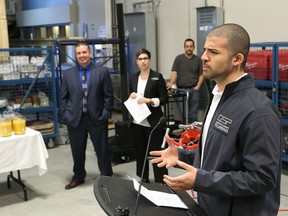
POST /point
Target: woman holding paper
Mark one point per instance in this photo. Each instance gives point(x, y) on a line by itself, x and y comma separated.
point(147, 87)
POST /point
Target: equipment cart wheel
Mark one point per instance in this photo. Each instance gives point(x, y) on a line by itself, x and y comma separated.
point(49, 143)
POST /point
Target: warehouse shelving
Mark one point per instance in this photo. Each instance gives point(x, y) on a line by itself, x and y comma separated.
point(28, 75)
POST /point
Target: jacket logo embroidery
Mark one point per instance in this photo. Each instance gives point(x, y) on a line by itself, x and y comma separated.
point(154, 78)
point(222, 123)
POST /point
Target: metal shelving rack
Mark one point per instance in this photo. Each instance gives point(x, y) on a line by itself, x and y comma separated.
point(28, 81)
point(269, 64)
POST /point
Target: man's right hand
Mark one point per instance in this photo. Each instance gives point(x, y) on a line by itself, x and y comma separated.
point(168, 85)
point(167, 157)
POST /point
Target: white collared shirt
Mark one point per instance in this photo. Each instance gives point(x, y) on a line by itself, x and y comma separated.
point(216, 98)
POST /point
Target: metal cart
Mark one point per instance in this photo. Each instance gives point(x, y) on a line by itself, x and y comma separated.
point(175, 96)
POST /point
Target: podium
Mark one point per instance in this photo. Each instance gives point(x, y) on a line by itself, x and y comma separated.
point(117, 197)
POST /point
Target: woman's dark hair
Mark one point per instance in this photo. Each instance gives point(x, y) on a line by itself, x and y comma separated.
point(143, 51)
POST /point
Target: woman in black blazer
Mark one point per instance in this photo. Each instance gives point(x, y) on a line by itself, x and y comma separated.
point(151, 87)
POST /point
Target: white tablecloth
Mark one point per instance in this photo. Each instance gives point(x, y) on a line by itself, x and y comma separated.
point(19, 152)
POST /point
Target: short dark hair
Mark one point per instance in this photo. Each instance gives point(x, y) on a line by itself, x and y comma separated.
point(82, 43)
point(237, 36)
point(143, 51)
point(189, 40)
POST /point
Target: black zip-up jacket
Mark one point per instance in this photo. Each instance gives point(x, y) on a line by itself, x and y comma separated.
point(241, 168)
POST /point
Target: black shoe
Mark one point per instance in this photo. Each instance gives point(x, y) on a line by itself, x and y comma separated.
point(73, 183)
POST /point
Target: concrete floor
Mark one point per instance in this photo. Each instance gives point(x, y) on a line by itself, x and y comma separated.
point(47, 196)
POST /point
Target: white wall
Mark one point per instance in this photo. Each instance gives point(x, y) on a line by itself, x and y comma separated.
point(265, 20)
point(176, 22)
point(92, 13)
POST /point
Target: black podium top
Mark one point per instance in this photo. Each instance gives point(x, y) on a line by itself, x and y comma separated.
point(117, 197)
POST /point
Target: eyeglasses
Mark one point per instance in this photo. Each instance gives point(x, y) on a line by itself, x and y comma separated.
point(143, 59)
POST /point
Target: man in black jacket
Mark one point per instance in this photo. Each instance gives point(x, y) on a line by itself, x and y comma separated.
point(237, 167)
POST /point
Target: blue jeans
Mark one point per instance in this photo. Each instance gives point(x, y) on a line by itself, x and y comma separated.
point(193, 99)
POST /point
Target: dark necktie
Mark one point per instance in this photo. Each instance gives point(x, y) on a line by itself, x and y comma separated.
point(84, 90)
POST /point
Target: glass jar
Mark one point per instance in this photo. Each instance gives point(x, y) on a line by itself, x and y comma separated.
point(44, 101)
point(5, 127)
point(19, 124)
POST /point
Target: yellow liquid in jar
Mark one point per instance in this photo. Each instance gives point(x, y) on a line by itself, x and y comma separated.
point(19, 126)
point(6, 128)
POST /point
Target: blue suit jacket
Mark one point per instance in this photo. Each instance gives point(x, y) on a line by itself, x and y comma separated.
point(99, 99)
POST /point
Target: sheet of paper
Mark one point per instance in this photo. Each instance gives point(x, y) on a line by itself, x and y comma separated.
point(160, 198)
point(138, 111)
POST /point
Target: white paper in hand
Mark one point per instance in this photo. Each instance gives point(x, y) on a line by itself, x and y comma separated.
point(138, 111)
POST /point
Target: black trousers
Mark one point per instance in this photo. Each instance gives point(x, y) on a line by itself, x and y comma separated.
point(140, 137)
point(78, 142)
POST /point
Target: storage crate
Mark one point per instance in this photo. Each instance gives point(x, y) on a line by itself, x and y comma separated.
point(283, 66)
point(259, 63)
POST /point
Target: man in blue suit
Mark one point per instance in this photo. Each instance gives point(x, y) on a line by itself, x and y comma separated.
point(86, 103)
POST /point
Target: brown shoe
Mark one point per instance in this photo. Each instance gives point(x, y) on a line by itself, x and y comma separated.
point(73, 183)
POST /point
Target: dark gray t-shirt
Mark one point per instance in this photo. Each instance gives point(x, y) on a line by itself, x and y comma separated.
point(188, 70)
